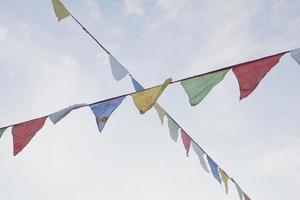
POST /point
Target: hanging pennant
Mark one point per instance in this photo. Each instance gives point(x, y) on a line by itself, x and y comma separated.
point(296, 55)
point(197, 88)
point(186, 141)
point(2, 131)
point(145, 99)
point(238, 188)
point(118, 70)
point(24, 132)
point(246, 196)
point(160, 111)
point(251, 73)
point(137, 86)
point(60, 10)
point(200, 153)
point(214, 169)
point(57, 116)
point(225, 179)
point(103, 110)
point(173, 128)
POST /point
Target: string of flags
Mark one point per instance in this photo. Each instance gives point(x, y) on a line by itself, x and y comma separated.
point(248, 74)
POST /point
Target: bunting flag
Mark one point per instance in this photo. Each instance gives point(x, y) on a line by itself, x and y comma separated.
point(214, 169)
point(197, 88)
point(103, 110)
point(296, 55)
point(118, 70)
point(225, 179)
point(145, 99)
point(186, 141)
point(24, 132)
point(2, 131)
point(160, 111)
point(60, 10)
point(200, 153)
point(173, 128)
point(57, 116)
point(137, 86)
point(251, 73)
point(238, 188)
point(246, 196)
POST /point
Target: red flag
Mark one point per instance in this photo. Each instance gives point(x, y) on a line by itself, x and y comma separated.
point(24, 132)
point(186, 141)
point(251, 73)
point(246, 197)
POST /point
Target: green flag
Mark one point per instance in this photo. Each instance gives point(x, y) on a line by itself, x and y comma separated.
point(173, 127)
point(160, 111)
point(2, 131)
point(197, 88)
point(60, 10)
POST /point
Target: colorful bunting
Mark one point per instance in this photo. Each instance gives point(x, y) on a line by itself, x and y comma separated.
point(103, 110)
point(118, 70)
point(251, 73)
point(214, 169)
point(238, 188)
point(186, 141)
point(173, 128)
point(200, 153)
point(197, 88)
point(145, 99)
point(296, 55)
point(137, 86)
point(2, 131)
point(60, 10)
point(160, 111)
point(24, 132)
point(57, 116)
point(225, 179)
point(246, 196)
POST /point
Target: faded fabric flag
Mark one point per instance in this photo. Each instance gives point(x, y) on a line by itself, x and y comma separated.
point(2, 131)
point(145, 99)
point(160, 111)
point(296, 55)
point(60, 10)
point(137, 86)
point(238, 188)
point(173, 128)
point(251, 73)
point(225, 179)
point(246, 196)
point(103, 110)
point(118, 70)
point(197, 88)
point(186, 140)
point(24, 132)
point(57, 116)
point(214, 169)
point(200, 153)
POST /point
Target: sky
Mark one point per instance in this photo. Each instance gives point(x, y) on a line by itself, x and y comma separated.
point(47, 65)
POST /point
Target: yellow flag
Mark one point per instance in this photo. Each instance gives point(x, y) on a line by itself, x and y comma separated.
point(225, 179)
point(60, 10)
point(144, 100)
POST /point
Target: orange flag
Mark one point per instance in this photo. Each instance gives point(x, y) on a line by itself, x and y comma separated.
point(24, 132)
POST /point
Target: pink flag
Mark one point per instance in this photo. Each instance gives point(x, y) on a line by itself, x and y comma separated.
point(251, 73)
point(186, 141)
point(246, 196)
point(24, 132)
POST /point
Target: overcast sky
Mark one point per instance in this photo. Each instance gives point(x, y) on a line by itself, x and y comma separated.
point(46, 66)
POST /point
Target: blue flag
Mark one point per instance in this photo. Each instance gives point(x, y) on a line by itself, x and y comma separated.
point(214, 169)
point(103, 110)
point(137, 86)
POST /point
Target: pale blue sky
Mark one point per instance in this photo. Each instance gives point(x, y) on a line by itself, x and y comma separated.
point(46, 66)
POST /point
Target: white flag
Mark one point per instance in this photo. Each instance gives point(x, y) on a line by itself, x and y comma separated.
point(55, 117)
point(296, 55)
point(118, 70)
point(200, 155)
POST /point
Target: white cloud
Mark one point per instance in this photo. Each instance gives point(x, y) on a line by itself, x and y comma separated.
point(94, 9)
point(133, 7)
point(3, 32)
point(171, 7)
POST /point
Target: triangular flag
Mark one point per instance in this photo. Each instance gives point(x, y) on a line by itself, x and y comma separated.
point(60, 10)
point(197, 88)
point(173, 128)
point(296, 55)
point(118, 70)
point(160, 111)
point(214, 169)
point(251, 73)
point(103, 110)
point(24, 132)
point(137, 86)
point(145, 99)
point(225, 179)
point(57, 116)
point(186, 141)
point(2, 131)
point(238, 188)
point(246, 196)
point(200, 153)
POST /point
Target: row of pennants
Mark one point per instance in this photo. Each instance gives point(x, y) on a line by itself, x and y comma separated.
point(248, 74)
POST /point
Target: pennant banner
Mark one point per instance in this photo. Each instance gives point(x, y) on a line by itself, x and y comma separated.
point(197, 88)
point(57, 116)
point(103, 110)
point(118, 70)
point(214, 169)
point(173, 128)
point(225, 179)
point(296, 55)
point(238, 188)
point(60, 10)
point(144, 100)
point(186, 141)
point(250, 74)
point(160, 111)
point(246, 196)
point(2, 131)
point(24, 132)
point(137, 86)
point(200, 153)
